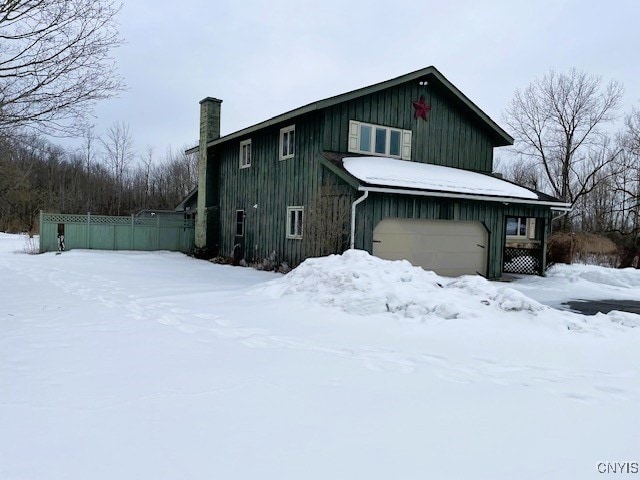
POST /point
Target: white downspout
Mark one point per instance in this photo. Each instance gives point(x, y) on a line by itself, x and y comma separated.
point(565, 212)
point(353, 218)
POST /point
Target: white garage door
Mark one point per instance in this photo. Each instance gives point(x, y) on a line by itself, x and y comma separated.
point(447, 247)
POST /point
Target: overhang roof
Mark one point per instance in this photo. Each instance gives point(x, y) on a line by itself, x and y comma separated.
point(430, 74)
point(187, 199)
point(390, 175)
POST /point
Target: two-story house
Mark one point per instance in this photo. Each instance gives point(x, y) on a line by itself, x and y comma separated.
point(402, 169)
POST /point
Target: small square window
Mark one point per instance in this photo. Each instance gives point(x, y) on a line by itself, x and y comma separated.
point(516, 227)
point(245, 153)
point(239, 223)
point(287, 142)
point(295, 222)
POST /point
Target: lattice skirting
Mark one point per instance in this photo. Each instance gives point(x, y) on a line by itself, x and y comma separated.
point(523, 260)
point(113, 220)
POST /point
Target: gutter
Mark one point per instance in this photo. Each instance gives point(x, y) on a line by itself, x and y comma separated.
point(563, 207)
point(352, 243)
point(565, 210)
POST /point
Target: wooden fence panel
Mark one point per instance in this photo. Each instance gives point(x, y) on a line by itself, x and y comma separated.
point(98, 232)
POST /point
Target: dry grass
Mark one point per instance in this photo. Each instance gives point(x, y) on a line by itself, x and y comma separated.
point(582, 247)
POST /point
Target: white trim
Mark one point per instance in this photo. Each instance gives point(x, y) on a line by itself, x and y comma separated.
point(487, 198)
point(245, 143)
point(295, 235)
point(531, 228)
point(352, 242)
point(520, 222)
point(292, 148)
point(354, 140)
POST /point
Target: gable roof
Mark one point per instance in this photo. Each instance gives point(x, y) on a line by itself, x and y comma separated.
point(431, 74)
point(182, 205)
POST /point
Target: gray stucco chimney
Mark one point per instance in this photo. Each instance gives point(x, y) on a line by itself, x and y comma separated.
point(209, 119)
point(209, 130)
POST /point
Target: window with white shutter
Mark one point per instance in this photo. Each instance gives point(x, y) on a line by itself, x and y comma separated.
point(367, 138)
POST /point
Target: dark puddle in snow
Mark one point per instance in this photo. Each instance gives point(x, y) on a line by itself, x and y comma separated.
point(591, 307)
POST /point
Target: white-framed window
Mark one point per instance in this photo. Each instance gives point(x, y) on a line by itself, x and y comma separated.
point(295, 222)
point(245, 153)
point(239, 223)
point(379, 140)
point(521, 227)
point(287, 142)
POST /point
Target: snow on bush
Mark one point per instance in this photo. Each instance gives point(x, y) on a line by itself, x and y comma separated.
point(359, 283)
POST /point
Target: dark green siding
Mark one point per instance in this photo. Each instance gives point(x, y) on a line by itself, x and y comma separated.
point(450, 137)
point(491, 214)
point(447, 138)
point(272, 185)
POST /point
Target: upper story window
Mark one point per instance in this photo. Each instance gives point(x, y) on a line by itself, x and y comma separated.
point(295, 221)
point(521, 227)
point(245, 153)
point(287, 142)
point(379, 140)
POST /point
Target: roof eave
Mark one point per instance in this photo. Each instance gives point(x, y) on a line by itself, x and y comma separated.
point(190, 195)
point(502, 137)
point(468, 196)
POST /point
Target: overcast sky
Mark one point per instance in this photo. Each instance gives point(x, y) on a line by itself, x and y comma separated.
point(264, 58)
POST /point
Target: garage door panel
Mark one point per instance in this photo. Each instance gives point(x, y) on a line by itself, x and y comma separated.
point(441, 243)
point(444, 246)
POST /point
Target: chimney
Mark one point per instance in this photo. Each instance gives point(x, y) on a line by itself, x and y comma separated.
point(209, 120)
point(209, 130)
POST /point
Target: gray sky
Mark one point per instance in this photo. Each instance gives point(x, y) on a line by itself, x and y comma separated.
point(264, 58)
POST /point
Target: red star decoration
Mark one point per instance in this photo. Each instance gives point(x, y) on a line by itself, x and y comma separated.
point(422, 109)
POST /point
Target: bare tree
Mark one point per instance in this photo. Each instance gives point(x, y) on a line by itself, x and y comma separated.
point(89, 140)
point(523, 172)
point(327, 228)
point(55, 62)
point(119, 154)
point(632, 134)
point(559, 122)
point(627, 180)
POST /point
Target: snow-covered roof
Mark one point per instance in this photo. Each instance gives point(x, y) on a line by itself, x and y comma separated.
point(391, 172)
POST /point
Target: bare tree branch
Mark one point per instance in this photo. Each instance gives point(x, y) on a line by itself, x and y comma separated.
point(558, 120)
point(55, 62)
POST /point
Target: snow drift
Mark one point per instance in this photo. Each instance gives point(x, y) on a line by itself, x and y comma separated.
point(624, 278)
point(359, 283)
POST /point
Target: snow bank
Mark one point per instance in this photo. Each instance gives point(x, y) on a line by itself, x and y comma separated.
point(19, 243)
point(359, 283)
point(625, 278)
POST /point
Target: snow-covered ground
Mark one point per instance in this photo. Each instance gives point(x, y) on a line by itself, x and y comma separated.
point(581, 282)
point(134, 365)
